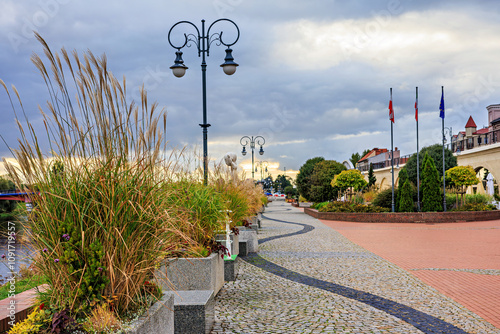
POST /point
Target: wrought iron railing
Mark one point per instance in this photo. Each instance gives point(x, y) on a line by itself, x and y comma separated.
point(387, 163)
point(481, 140)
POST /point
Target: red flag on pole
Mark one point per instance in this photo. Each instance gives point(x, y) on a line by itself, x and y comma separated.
point(391, 110)
point(416, 107)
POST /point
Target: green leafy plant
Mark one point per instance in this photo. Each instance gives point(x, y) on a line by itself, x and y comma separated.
point(317, 206)
point(34, 323)
point(384, 198)
point(349, 179)
point(475, 207)
point(338, 206)
point(460, 177)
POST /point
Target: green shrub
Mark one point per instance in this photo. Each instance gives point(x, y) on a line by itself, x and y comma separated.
point(384, 198)
point(477, 198)
point(319, 205)
point(406, 198)
point(338, 206)
point(203, 204)
point(475, 207)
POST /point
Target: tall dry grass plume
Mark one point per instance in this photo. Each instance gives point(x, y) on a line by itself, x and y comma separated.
point(100, 217)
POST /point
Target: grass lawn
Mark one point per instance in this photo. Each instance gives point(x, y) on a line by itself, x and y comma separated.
point(22, 285)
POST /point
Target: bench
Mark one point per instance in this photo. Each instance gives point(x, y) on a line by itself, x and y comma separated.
point(194, 311)
point(231, 268)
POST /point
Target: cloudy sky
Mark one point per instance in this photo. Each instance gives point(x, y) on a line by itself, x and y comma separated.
point(313, 79)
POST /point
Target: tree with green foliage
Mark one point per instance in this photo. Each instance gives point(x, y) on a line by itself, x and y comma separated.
point(436, 153)
point(371, 176)
point(355, 157)
point(281, 182)
point(405, 197)
point(7, 206)
point(402, 177)
point(303, 180)
point(290, 191)
point(460, 177)
point(432, 198)
point(323, 173)
point(6, 184)
point(267, 183)
point(349, 179)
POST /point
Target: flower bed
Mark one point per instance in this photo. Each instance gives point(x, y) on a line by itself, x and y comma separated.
point(406, 217)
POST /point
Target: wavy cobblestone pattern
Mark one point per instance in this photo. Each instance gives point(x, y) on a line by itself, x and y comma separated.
point(323, 283)
point(424, 322)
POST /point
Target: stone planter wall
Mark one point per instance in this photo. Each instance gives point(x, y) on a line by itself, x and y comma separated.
point(194, 311)
point(193, 274)
point(159, 318)
point(406, 217)
point(250, 236)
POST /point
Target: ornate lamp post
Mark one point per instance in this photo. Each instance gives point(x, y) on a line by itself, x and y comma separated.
point(260, 163)
point(245, 140)
point(203, 40)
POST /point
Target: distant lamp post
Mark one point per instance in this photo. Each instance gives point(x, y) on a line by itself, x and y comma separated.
point(203, 41)
point(246, 140)
point(260, 164)
point(450, 132)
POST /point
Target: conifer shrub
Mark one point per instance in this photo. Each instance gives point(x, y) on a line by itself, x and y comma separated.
point(432, 198)
point(406, 198)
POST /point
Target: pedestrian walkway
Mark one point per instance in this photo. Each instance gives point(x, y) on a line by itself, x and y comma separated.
point(461, 260)
point(309, 278)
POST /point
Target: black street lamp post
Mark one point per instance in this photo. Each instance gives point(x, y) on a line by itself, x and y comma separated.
point(203, 41)
point(245, 140)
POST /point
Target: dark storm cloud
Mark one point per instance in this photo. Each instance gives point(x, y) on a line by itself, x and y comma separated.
point(314, 76)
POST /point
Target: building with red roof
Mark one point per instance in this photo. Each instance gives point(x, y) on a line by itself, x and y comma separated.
point(472, 137)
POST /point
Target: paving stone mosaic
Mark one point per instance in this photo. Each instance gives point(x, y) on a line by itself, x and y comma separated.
point(307, 278)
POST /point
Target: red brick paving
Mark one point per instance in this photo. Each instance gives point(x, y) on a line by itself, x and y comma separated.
point(472, 245)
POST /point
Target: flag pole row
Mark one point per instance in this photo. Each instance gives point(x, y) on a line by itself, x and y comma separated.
point(391, 118)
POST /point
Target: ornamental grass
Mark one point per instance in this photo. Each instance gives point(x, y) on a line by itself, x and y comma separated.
point(108, 207)
point(101, 220)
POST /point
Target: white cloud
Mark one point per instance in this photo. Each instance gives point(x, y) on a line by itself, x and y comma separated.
point(419, 40)
point(354, 135)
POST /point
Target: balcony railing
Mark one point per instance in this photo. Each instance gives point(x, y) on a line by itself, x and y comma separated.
point(383, 164)
point(489, 138)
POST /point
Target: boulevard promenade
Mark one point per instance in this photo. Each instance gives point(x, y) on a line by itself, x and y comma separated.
point(309, 277)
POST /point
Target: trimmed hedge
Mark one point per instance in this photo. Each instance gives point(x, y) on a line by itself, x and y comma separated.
point(350, 207)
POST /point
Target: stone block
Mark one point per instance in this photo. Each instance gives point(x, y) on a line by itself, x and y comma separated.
point(205, 273)
point(231, 268)
point(250, 236)
point(158, 319)
point(243, 248)
point(194, 311)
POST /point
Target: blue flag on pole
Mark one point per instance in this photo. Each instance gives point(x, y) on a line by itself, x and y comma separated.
point(441, 105)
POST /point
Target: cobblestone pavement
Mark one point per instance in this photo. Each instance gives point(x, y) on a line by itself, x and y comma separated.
point(308, 278)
